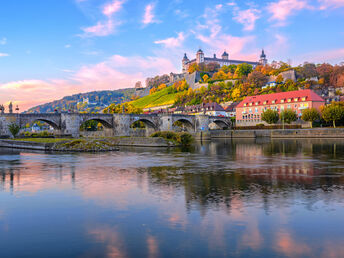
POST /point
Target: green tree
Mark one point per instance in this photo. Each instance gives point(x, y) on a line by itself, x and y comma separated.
point(243, 69)
point(333, 112)
point(310, 115)
point(288, 116)
point(14, 129)
point(270, 116)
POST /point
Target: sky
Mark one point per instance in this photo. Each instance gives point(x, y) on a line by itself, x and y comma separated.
point(53, 48)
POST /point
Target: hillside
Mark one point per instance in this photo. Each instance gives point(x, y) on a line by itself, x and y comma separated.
point(91, 101)
point(160, 98)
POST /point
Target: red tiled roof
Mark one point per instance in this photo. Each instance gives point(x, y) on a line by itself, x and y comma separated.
point(277, 97)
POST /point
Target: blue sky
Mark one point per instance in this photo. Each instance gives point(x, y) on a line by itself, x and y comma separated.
point(53, 48)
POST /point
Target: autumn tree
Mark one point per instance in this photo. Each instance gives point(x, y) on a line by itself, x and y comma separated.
point(324, 71)
point(257, 78)
point(333, 112)
point(288, 116)
point(205, 78)
point(236, 94)
point(270, 116)
point(193, 68)
point(310, 115)
point(212, 67)
point(243, 69)
point(308, 70)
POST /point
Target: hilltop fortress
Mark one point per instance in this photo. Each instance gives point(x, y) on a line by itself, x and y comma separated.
point(224, 60)
point(193, 78)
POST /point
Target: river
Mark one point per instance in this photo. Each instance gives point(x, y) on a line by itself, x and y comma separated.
point(242, 198)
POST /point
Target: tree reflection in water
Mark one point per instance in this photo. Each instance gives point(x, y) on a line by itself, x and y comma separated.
point(239, 197)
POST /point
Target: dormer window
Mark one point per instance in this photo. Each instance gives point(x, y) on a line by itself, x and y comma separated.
point(282, 100)
point(265, 102)
point(257, 103)
point(245, 105)
point(273, 102)
point(296, 99)
point(250, 104)
point(289, 100)
point(304, 98)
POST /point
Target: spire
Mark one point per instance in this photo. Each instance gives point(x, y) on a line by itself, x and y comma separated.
point(185, 57)
point(263, 54)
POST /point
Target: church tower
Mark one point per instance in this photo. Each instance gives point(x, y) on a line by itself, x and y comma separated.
point(199, 56)
point(263, 60)
point(185, 61)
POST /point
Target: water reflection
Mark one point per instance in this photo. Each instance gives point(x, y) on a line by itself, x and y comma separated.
point(220, 198)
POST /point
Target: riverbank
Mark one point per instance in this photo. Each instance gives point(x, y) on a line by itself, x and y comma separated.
point(279, 133)
point(84, 144)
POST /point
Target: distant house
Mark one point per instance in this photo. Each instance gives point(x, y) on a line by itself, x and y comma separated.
point(249, 111)
point(210, 109)
point(231, 109)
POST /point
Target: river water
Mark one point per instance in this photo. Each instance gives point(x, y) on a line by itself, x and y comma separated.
point(247, 198)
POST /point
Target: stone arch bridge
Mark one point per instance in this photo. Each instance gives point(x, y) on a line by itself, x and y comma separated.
point(118, 124)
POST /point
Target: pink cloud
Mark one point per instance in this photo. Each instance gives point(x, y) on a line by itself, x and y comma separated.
point(106, 27)
point(149, 16)
point(172, 42)
point(282, 9)
point(333, 56)
point(114, 73)
point(100, 29)
point(112, 8)
point(325, 4)
point(247, 18)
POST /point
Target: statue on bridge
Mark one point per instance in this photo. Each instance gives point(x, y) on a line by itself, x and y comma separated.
point(10, 108)
point(2, 109)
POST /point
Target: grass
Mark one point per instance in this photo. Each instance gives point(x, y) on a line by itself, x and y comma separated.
point(42, 140)
point(159, 98)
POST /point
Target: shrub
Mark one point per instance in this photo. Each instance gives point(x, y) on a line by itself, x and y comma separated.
point(288, 116)
point(14, 129)
point(183, 139)
point(334, 113)
point(310, 115)
point(270, 116)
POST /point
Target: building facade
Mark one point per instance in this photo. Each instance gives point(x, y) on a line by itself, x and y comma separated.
point(249, 111)
point(224, 60)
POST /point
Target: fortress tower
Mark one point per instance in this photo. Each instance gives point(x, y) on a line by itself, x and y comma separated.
point(263, 60)
point(184, 63)
point(199, 56)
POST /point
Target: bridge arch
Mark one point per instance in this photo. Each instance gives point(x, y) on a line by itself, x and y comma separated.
point(221, 123)
point(146, 121)
point(104, 122)
point(32, 120)
point(185, 124)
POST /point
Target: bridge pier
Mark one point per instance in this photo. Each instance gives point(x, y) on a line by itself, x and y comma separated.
point(70, 124)
point(121, 125)
point(201, 123)
point(166, 123)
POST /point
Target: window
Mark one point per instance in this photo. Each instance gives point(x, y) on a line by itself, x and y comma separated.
point(304, 98)
point(245, 105)
point(282, 100)
point(256, 110)
point(296, 99)
point(265, 102)
point(289, 100)
point(250, 104)
point(273, 102)
point(288, 106)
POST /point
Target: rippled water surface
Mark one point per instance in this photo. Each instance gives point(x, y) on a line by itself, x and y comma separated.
point(223, 198)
